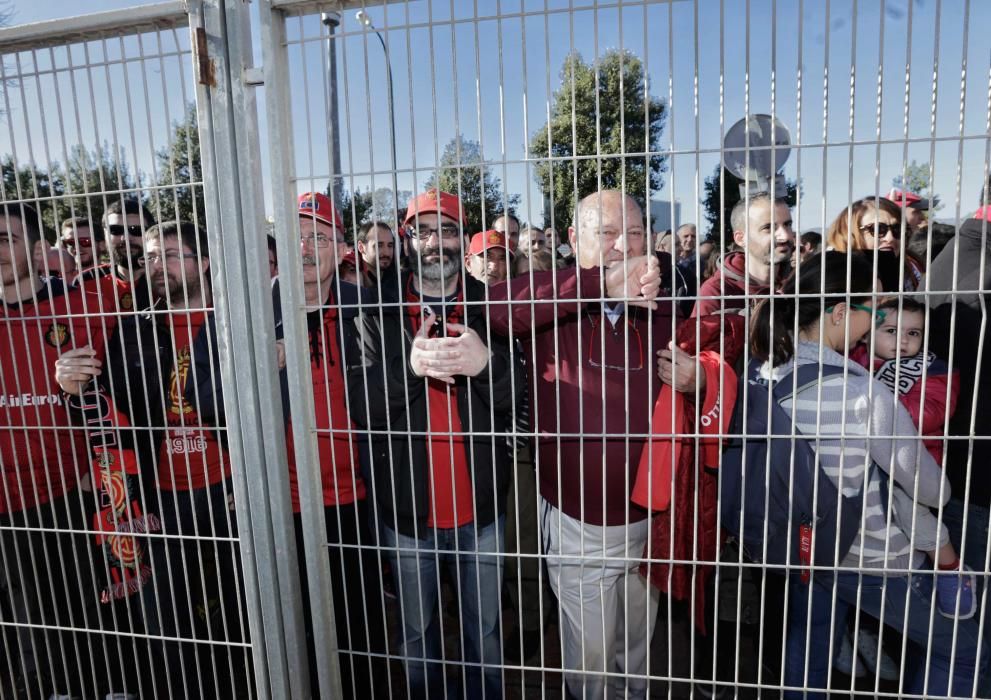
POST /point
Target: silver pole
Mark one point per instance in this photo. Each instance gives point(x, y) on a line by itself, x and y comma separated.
point(332, 20)
point(363, 17)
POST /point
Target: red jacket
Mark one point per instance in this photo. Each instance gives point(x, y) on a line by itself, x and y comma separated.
point(939, 405)
point(687, 530)
point(726, 296)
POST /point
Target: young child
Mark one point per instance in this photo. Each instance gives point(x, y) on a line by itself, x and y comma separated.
point(925, 387)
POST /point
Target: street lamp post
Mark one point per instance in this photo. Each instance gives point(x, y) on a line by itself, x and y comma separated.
point(332, 20)
point(366, 21)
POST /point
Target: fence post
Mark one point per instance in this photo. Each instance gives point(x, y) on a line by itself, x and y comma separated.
point(280, 145)
point(235, 219)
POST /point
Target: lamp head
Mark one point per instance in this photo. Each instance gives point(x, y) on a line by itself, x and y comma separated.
point(363, 18)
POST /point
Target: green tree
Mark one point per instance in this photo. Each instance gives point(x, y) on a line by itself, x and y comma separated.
point(21, 182)
point(720, 228)
point(93, 179)
point(916, 179)
point(179, 174)
point(629, 120)
point(356, 208)
point(465, 172)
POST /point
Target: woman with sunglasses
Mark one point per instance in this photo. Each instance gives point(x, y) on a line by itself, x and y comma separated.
point(867, 443)
point(875, 223)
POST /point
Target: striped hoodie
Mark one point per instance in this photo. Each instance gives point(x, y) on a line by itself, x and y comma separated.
point(858, 421)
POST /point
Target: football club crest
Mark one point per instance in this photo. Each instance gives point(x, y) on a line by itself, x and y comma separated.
point(57, 335)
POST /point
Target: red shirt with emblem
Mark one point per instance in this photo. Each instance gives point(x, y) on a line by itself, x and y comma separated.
point(336, 446)
point(42, 454)
point(190, 456)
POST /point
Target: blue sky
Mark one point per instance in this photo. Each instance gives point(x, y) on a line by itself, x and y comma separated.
point(486, 69)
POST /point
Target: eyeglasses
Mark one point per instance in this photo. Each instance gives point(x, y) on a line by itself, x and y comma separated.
point(423, 233)
point(879, 314)
point(881, 230)
point(81, 242)
point(118, 230)
point(320, 240)
point(170, 257)
point(596, 342)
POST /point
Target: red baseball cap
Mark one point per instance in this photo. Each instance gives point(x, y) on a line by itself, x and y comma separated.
point(481, 242)
point(316, 205)
point(350, 258)
point(904, 199)
point(434, 201)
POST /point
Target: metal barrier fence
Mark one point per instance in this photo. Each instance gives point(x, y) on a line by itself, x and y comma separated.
point(350, 461)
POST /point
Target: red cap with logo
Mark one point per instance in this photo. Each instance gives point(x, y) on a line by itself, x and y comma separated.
point(434, 201)
point(907, 199)
point(316, 205)
point(485, 240)
point(350, 258)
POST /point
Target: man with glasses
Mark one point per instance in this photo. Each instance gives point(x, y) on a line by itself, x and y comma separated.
point(337, 375)
point(163, 372)
point(591, 335)
point(439, 459)
point(82, 241)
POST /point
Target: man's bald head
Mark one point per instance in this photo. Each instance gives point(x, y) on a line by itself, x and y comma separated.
point(608, 226)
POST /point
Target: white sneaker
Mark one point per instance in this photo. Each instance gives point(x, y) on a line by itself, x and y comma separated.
point(844, 657)
point(867, 645)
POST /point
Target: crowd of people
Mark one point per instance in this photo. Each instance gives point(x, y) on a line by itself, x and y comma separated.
point(504, 419)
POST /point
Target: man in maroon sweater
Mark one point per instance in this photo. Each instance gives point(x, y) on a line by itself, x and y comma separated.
point(594, 387)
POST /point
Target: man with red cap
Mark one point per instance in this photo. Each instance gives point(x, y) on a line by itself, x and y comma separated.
point(440, 411)
point(488, 255)
point(331, 312)
point(914, 209)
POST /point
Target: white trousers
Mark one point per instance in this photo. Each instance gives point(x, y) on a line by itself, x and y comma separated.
point(607, 609)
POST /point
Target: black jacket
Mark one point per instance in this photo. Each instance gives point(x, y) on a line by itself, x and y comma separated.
point(973, 273)
point(969, 330)
point(390, 402)
point(139, 360)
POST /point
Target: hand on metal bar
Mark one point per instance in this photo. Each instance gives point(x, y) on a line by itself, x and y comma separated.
point(76, 368)
point(679, 370)
point(635, 280)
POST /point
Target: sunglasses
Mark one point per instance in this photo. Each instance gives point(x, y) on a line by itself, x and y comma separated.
point(118, 230)
point(81, 242)
point(881, 230)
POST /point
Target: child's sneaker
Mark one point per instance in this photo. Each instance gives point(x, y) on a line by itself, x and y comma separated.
point(951, 583)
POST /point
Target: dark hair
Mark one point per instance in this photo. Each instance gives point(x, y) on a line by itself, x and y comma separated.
point(824, 281)
point(28, 216)
point(129, 205)
point(930, 242)
point(189, 235)
point(812, 238)
point(366, 228)
point(78, 222)
point(904, 304)
point(740, 211)
point(272, 248)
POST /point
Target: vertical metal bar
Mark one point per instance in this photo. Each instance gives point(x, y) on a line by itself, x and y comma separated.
point(281, 164)
point(247, 347)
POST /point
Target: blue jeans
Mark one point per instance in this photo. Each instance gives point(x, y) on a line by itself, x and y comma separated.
point(972, 546)
point(416, 570)
point(911, 615)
